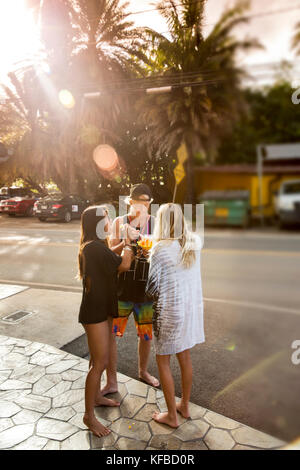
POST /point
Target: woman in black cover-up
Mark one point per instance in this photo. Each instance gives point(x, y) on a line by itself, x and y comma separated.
point(98, 268)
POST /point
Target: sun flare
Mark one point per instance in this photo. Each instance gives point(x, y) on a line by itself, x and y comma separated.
point(19, 37)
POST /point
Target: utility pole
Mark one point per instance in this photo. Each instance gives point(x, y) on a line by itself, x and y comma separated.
point(261, 153)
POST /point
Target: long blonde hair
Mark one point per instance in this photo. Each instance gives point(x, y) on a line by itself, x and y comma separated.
point(170, 225)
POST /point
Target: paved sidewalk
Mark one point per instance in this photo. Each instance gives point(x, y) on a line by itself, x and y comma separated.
point(42, 405)
point(53, 315)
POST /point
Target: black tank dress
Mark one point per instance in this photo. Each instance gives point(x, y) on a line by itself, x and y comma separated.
point(100, 274)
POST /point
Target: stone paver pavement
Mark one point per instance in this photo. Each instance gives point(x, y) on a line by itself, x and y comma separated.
point(42, 405)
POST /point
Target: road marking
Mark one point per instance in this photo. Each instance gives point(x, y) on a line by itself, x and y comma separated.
point(8, 290)
point(30, 230)
point(241, 303)
point(36, 243)
point(215, 251)
point(212, 251)
point(253, 235)
point(40, 285)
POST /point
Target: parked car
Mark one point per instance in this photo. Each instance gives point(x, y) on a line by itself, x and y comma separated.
point(19, 205)
point(287, 203)
point(60, 207)
point(14, 191)
point(2, 203)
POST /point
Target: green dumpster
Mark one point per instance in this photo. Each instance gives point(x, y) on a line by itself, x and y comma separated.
point(227, 208)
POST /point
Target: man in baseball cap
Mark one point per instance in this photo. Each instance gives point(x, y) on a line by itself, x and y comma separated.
point(131, 287)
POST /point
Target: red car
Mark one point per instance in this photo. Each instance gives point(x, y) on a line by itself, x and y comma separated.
point(18, 206)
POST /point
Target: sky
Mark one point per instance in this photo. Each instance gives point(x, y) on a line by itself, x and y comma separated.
point(274, 31)
point(19, 35)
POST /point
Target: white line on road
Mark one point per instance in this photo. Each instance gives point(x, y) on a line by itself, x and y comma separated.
point(217, 251)
point(247, 235)
point(40, 285)
point(271, 308)
point(34, 242)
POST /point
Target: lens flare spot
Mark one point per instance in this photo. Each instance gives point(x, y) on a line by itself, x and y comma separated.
point(106, 158)
point(66, 98)
point(230, 347)
point(295, 445)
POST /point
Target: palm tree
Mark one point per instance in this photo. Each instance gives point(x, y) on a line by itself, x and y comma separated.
point(206, 96)
point(295, 43)
point(25, 130)
point(90, 45)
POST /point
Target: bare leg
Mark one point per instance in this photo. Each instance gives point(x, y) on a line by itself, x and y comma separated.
point(111, 371)
point(185, 363)
point(97, 335)
point(144, 348)
point(167, 382)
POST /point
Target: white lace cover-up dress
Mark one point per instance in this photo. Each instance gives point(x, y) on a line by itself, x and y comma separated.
point(177, 295)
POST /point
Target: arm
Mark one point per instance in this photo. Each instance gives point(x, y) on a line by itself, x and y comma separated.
point(115, 243)
point(127, 257)
point(117, 248)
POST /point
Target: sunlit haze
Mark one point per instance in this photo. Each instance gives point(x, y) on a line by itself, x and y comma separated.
point(19, 37)
point(20, 41)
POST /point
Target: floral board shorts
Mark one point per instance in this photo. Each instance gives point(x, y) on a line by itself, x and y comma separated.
point(143, 313)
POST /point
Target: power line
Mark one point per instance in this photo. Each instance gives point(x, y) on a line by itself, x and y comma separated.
point(113, 91)
point(149, 87)
point(156, 80)
point(160, 78)
point(178, 80)
point(162, 89)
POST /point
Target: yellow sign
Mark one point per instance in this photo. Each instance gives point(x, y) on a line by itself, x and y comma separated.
point(182, 154)
point(221, 212)
point(179, 173)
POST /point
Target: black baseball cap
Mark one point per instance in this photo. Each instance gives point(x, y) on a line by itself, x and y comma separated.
point(138, 189)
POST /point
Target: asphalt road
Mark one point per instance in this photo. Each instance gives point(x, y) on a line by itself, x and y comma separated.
point(252, 315)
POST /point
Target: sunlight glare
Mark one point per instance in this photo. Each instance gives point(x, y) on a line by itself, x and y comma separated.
point(66, 98)
point(18, 35)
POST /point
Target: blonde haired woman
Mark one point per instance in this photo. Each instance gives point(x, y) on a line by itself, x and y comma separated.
point(174, 284)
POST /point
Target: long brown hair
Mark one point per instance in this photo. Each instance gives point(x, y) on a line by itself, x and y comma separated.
point(90, 218)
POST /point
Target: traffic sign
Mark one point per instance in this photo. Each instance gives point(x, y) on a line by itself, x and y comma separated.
point(179, 173)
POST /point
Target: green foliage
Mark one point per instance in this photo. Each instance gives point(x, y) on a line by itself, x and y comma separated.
point(271, 118)
point(203, 111)
point(91, 45)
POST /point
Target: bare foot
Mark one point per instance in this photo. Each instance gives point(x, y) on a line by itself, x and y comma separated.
point(164, 418)
point(109, 389)
point(95, 427)
point(149, 379)
point(103, 401)
point(183, 410)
